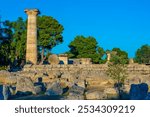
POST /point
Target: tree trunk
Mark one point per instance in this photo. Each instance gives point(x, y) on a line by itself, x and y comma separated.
point(119, 88)
point(42, 55)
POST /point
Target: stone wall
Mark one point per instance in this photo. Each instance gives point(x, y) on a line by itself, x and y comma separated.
point(91, 77)
point(131, 68)
point(73, 73)
point(94, 74)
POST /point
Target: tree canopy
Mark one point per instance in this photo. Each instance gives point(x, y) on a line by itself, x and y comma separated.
point(14, 46)
point(143, 54)
point(117, 68)
point(18, 43)
point(86, 47)
point(5, 40)
point(13, 37)
point(119, 56)
point(49, 33)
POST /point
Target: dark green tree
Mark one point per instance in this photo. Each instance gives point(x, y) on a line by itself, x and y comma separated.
point(5, 43)
point(143, 55)
point(86, 47)
point(18, 45)
point(49, 34)
point(119, 56)
point(4, 53)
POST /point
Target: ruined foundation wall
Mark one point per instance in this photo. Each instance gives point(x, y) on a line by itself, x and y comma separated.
point(94, 74)
point(133, 68)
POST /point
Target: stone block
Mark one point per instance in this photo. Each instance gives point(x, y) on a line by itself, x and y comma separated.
point(53, 59)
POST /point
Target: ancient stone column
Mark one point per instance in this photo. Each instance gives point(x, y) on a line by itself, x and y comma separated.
point(131, 61)
point(109, 54)
point(108, 57)
point(31, 47)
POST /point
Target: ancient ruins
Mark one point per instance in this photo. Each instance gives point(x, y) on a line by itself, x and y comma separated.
point(82, 79)
point(31, 50)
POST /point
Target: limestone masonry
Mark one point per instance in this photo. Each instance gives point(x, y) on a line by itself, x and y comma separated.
point(93, 77)
point(31, 50)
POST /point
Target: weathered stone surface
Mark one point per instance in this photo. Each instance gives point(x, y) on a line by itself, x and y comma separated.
point(53, 59)
point(89, 71)
point(108, 56)
point(76, 93)
point(101, 83)
point(11, 79)
point(25, 85)
point(92, 77)
point(63, 58)
point(66, 75)
point(4, 92)
point(81, 83)
point(126, 88)
point(75, 96)
point(111, 93)
point(12, 90)
point(38, 89)
point(54, 89)
point(138, 91)
point(131, 61)
point(45, 79)
point(76, 89)
point(76, 61)
point(86, 61)
point(95, 95)
point(7, 77)
point(134, 79)
point(3, 75)
point(31, 50)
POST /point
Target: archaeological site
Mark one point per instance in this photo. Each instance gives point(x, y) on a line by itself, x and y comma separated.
point(69, 79)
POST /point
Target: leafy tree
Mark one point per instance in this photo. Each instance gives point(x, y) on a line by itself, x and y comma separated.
point(118, 72)
point(4, 53)
point(19, 39)
point(143, 54)
point(118, 56)
point(85, 47)
point(49, 34)
point(117, 68)
point(5, 40)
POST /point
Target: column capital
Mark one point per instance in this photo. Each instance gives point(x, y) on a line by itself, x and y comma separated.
point(31, 11)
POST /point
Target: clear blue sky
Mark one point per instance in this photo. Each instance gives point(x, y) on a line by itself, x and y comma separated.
point(114, 23)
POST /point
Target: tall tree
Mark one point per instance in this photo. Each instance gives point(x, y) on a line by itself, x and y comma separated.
point(143, 54)
point(49, 34)
point(19, 39)
point(5, 43)
point(86, 47)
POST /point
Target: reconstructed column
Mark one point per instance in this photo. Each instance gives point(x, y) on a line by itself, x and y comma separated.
point(108, 57)
point(31, 49)
point(131, 61)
